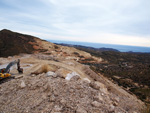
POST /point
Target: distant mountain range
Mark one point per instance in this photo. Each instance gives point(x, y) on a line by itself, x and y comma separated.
point(92, 48)
point(102, 46)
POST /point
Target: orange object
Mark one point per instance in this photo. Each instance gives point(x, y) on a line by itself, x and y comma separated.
point(4, 75)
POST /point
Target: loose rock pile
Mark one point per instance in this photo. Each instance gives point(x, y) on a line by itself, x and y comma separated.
point(63, 87)
point(42, 93)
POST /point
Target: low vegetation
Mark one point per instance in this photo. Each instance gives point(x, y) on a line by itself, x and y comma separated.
point(146, 110)
point(130, 70)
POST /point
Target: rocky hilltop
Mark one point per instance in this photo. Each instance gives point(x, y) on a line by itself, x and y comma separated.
point(54, 81)
point(13, 43)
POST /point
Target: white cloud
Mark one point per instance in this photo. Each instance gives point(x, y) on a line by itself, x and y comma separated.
point(121, 40)
point(105, 21)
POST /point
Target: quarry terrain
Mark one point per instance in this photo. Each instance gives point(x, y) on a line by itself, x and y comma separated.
point(54, 81)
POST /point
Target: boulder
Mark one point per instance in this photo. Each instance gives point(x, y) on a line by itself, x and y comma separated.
point(22, 85)
point(99, 86)
point(57, 109)
point(50, 73)
point(81, 110)
point(70, 75)
point(96, 104)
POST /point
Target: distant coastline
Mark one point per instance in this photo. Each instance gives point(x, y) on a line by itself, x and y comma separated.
point(121, 48)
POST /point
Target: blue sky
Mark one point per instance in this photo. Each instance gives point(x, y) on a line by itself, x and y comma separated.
point(125, 22)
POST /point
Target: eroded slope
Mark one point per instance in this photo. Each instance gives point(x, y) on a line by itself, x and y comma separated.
point(62, 86)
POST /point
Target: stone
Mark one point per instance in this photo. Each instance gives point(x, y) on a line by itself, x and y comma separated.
point(22, 85)
point(57, 108)
point(94, 85)
point(70, 75)
point(96, 104)
point(115, 103)
point(33, 75)
point(134, 112)
point(104, 90)
point(100, 97)
point(111, 108)
point(50, 73)
point(80, 110)
point(86, 79)
point(75, 78)
point(63, 101)
point(52, 98)
point(97, 85)
point(117, 99)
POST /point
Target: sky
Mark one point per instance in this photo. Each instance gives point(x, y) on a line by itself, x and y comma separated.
point(123, 22)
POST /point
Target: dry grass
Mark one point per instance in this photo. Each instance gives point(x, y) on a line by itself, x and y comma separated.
point(146, 110)
point(42, 69)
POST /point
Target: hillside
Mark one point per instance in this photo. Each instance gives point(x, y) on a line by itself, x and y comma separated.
point(12, 43)
point(54, 81)
point(130, 70)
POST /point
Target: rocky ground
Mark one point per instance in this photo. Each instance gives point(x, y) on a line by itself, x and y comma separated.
point(54, 81)
point(61, 85)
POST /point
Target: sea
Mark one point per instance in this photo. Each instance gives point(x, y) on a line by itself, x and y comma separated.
point(121, 48)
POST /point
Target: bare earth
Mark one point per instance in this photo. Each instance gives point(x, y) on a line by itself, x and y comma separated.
point(61, 85)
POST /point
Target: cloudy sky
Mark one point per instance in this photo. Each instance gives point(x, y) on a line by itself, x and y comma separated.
point(125, 22)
